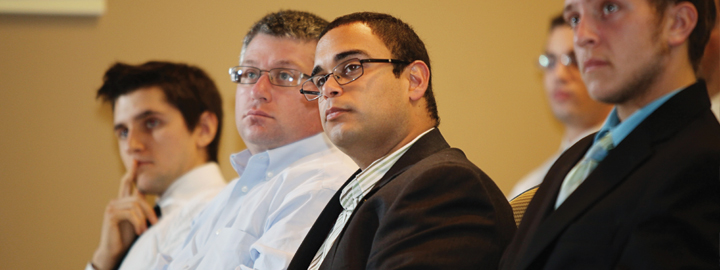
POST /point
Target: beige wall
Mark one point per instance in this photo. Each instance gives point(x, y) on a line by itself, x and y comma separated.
point(59, 161)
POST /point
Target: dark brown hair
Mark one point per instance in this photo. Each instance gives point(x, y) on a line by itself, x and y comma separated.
point(701, 34)
point(187, 88)
point(400, 39)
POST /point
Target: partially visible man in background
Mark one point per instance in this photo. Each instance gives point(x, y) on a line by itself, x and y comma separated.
point(568, 98)
point(167, 118)
point(710, 65)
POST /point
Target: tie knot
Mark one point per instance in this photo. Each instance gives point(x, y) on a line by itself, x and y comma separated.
point(600, 149)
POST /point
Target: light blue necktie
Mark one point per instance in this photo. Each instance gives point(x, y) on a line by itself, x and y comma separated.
point(581, 171)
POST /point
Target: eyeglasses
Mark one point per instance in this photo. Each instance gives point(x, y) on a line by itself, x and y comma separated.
point(548, 61)
point(344, 73)
point(277, 76)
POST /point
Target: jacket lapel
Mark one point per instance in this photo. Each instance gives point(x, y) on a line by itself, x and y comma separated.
point(541, 206)
point(430, 143)
point(630, 154)
point(319, 231)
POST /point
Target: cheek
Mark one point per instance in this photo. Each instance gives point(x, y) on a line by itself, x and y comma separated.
point(124, 156)
point(548, 81)
point(322, 107)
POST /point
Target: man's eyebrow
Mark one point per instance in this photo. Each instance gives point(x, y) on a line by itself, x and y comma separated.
point(339, 57)
point(140, 116)
point(346, 54)
point(316, 70)
point(568, 8)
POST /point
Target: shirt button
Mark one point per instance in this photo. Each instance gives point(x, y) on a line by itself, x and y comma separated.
point(270, 174)
point(217, 232)
point(244, 189)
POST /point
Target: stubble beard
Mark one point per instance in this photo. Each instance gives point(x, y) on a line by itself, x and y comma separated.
point(643, 79)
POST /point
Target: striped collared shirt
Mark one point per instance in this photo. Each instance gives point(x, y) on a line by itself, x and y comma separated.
point(355, 191)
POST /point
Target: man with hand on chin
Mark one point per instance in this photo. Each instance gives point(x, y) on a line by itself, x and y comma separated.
point(167, 118)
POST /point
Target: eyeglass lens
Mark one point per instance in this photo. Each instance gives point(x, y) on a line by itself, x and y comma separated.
point(277, 76)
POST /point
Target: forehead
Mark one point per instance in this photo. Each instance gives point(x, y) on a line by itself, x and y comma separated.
point(560, 40)
point(139, 101)
point(349, 40)
point(266, 52)
point(575, 5)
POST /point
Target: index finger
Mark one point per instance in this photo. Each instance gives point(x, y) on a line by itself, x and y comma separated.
point(128, 180)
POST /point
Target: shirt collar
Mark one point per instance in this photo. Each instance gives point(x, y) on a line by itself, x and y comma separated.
point(619, 130)
point(283, 156)
point(188, 184)
point(366, 179)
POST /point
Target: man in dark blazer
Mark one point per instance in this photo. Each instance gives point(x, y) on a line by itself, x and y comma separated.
point(415, 203)
point(653, 201)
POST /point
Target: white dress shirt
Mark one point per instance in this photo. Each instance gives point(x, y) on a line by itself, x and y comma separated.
point(259, 220)
point(536, 176)
point(179, 204)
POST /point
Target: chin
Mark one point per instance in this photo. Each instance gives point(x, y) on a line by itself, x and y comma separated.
point(147, 185)
point(339, 137)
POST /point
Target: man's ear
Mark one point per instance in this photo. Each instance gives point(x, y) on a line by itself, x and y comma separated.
point(682, 18)
point(206, 129)
point(419, 78)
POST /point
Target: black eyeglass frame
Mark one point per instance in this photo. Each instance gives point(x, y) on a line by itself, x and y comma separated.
point(362, 61)
point(234, 77)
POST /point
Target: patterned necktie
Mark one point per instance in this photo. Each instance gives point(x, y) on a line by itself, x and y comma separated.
point(581, 171)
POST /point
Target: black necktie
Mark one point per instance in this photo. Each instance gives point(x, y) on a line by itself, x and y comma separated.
point(157, 213)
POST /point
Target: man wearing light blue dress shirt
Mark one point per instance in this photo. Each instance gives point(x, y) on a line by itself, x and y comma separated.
point(642, 193)
point(289, 170)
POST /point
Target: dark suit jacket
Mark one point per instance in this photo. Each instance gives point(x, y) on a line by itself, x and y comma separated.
point(433, 209)
point(652, 203)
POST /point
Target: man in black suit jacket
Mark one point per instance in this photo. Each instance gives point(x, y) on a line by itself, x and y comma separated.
point(415, 203)
point(654, 201)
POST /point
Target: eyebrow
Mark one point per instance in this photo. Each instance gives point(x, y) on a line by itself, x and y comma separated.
point(140, 116)
point(339, 57)
point(568, 8)
point(281, 63)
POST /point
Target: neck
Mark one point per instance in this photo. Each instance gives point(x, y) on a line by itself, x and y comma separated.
point(677, 73)
point(366, 154)
point(573, 134)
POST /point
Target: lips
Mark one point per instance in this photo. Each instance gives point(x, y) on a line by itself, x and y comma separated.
point(257, 113)
point(141, 163)
point(592, 64)
point(560, 95)
point(333, 113)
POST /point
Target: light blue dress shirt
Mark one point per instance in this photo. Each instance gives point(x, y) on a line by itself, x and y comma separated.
point(259, 220)
point(619, 130)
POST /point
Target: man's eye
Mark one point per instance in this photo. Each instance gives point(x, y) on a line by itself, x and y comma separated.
point(351, 68)
point(609, 8)
point(320, 81)
point(573, 20)
point(285, 76)
point(121, 133)
point(152, 123)
point(250, 74)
